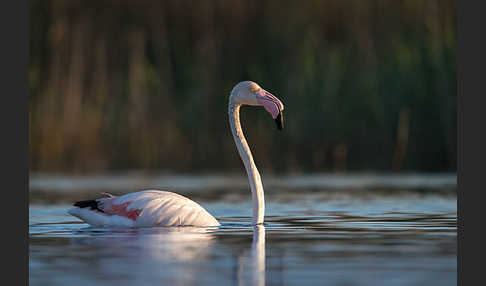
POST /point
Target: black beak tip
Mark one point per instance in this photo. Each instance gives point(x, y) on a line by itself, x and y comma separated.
point(279, 121)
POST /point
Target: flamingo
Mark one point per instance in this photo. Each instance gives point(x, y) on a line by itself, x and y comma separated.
point(149, 208)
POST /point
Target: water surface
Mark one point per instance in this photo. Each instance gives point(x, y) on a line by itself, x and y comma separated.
point(310, 237)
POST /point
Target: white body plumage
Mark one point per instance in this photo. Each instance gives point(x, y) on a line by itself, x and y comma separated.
point(145, 209)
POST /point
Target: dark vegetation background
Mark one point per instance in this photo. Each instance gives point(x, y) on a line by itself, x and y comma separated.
point(367, 85)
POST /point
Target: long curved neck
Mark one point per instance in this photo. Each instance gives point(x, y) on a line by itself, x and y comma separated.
point(251, 169)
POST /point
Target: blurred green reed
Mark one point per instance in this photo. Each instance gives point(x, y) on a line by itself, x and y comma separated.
point(367, 85)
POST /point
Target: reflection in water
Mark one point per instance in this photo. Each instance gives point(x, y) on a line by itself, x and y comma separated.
point(175, 243)
point(173, 254)
point(181, 246)
point(180, 243)
point(251, 268)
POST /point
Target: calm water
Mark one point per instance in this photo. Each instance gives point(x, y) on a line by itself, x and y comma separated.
point(311, 237)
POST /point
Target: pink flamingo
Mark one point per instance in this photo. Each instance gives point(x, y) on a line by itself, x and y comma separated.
point(161, 208)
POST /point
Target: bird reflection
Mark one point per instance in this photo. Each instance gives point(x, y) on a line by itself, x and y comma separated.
point(251, 265)
point(175, 255)
point(179, 243)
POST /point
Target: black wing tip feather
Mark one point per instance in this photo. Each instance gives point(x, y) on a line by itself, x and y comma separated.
point(93, 204)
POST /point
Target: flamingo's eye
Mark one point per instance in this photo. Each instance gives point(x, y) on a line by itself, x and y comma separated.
point(253, 89)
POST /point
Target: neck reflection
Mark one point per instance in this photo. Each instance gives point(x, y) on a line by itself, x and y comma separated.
point(251, 270)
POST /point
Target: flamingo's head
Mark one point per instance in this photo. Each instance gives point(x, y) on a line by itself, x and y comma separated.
point(250, 93)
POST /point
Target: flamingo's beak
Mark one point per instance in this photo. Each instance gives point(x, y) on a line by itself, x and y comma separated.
point(273, 105)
